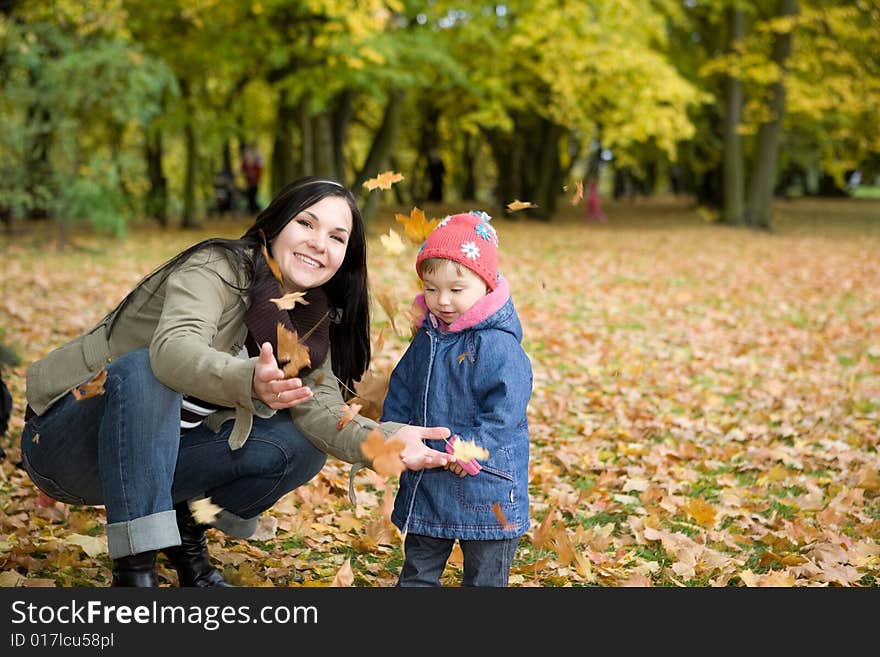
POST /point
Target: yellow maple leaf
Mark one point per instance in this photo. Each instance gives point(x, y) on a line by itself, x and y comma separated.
point(465, 450)
point(92, 388)
point(517, 205)
point(383, 180)
point(416, 226)
point(385, 454)
point(392, 243)
point(292, 351)
point(288, 301)
point(701, 511)
point(204, 511)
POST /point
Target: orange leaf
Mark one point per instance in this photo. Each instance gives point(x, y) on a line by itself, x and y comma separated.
point(701, 511)
point(273, 266)
point(288, 301)
point(385, 454)
point(91, 388)
point(388, 305)
point(370, 392)
point(502, 519)
point(516, 205)
point(416, 226)
point(348, 413)
point(345, 575)
point(578, 193)
point(383, 180)
point(290, 349)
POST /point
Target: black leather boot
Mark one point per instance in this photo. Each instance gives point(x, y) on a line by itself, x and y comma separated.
point(135, 570)
point(190, 558)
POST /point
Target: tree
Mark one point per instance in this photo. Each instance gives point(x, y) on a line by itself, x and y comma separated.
point(761, 184)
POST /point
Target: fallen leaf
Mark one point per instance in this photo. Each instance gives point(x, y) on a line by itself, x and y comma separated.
point(465, 450)
point(204, 511)
point(345, 575)
point(370, 392)
point(385, 454)
point(91, 545)
point(578, 193)
point(701, 511)
point(291, 351)
point(273, 266)
point(388, 305)
point(502, 519)
point(267, 527)
point(416, 227)
point(10, 578)
point(347, 415)
point(392, 243)
point(288, 301)
point(383, 180)
point(93, 387)
point(516, 205)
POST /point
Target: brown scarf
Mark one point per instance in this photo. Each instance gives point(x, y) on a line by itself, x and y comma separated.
point(262, 316)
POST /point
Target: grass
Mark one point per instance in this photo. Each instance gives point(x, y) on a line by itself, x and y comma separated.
point(678, 365)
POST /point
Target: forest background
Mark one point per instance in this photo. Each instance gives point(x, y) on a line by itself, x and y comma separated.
point(706, 399)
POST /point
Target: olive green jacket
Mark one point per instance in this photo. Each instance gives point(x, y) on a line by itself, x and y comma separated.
point(193, 323)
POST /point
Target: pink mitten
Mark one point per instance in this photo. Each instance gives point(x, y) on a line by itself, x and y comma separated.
point(471, 467)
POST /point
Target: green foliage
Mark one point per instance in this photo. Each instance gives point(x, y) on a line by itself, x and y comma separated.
point(73, 96)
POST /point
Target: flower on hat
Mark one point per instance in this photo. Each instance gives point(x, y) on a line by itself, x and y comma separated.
point(471, 250)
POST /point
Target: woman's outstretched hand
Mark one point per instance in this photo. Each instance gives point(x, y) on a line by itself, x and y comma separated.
point(270, 386)
point(416, 455)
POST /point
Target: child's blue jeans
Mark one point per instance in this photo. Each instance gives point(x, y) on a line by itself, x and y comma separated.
point(486, 563)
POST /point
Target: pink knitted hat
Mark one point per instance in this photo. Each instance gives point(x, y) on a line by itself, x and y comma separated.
point(468, 239)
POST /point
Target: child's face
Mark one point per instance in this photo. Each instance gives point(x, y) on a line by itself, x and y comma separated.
point(450, 290)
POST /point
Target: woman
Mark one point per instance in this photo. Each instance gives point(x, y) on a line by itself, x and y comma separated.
point(192, 346)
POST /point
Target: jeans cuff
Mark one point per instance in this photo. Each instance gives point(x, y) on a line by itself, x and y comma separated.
point(152, 532)
point(234, 525)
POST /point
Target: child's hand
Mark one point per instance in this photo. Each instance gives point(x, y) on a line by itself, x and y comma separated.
point(471, 467)
point(455, 468)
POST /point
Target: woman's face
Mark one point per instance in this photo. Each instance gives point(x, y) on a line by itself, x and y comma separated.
point(312, 245)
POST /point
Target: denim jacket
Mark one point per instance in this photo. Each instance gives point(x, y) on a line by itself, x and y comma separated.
point(473, 377)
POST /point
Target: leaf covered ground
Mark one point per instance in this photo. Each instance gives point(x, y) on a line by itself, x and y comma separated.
point(706, 405)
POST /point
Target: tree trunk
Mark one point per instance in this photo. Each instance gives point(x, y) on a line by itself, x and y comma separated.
point(758, 214)
point(469, 161)
point(307, 139)
point(341, 122)
point(380, 151)
point(507, 187)
point(189, 220)
point(546, 185)
point(156, 202)
point(322, 139)
point(283, 168)
point(733, 191)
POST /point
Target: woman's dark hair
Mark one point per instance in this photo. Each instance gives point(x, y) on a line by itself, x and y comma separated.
point(346, 291)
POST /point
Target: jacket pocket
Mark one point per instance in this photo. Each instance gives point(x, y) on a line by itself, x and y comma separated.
point(493, 484)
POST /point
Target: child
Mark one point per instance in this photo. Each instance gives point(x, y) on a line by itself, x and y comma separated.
point(464, 369)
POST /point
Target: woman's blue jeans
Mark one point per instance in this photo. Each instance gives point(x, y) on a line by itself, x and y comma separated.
point(123, 449)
